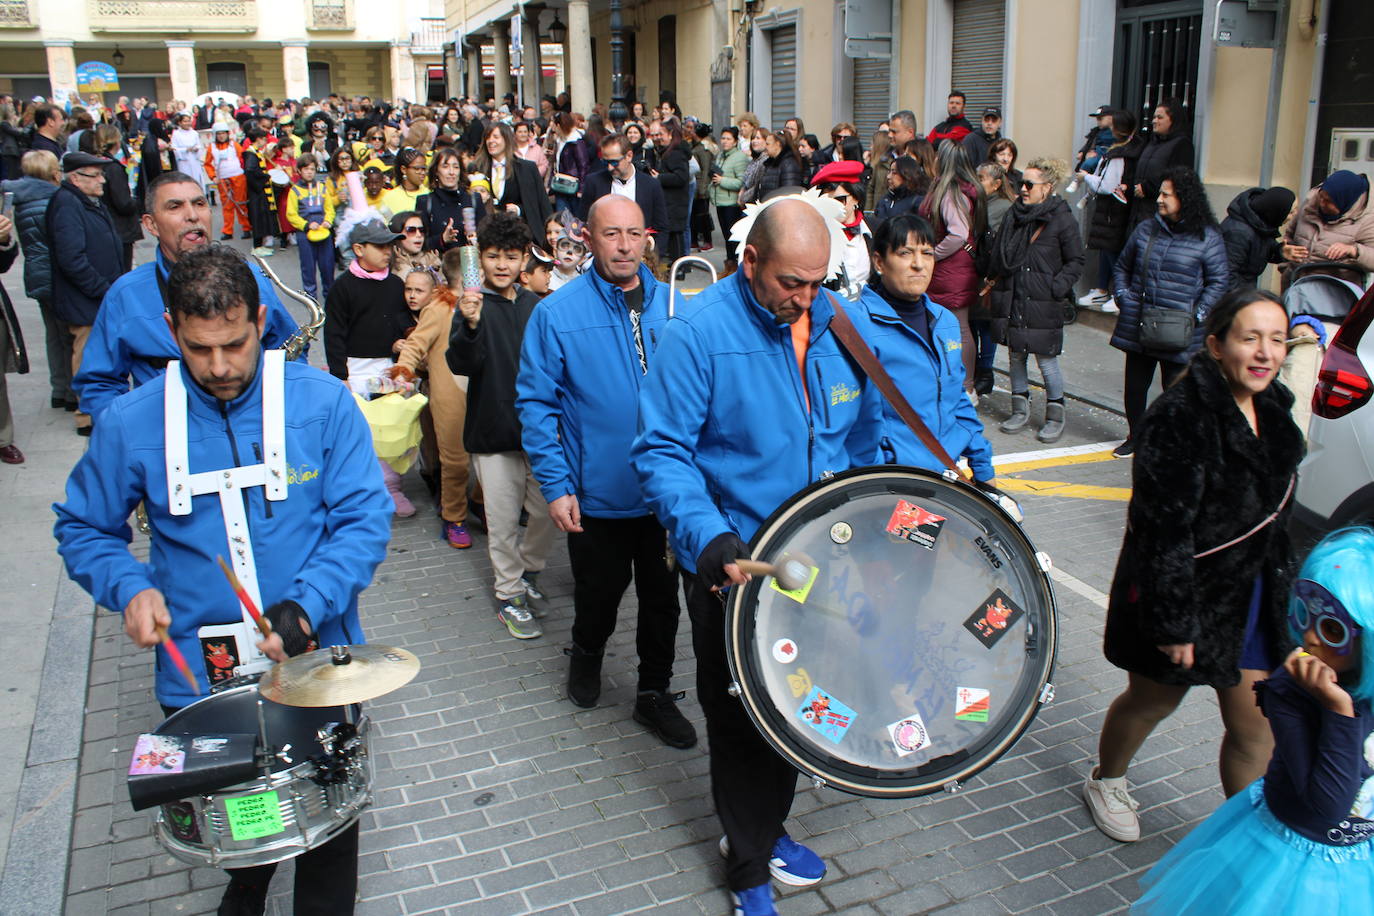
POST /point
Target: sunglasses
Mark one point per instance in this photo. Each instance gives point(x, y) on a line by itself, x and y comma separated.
point(1322, 612)
point(413, 230)
point(1027, 184)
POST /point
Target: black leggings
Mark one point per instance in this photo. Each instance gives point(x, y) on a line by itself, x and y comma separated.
point(1140, 373)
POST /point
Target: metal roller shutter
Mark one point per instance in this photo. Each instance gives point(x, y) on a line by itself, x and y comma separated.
point(979, 42)
point(783, 45)
point(871, 86)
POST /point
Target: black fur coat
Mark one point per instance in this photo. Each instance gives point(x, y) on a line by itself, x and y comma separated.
point(1201, 478)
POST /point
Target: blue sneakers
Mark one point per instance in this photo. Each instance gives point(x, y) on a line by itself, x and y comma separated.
point(791, 863)
point(755, 901)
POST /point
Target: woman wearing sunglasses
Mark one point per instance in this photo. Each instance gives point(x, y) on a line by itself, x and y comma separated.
point(1200, 595)
point(1298, 841)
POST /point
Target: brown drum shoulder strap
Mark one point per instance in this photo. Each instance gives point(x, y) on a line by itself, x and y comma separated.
point(849, 337)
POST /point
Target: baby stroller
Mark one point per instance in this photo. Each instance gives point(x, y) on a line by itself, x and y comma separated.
point(1314, 292)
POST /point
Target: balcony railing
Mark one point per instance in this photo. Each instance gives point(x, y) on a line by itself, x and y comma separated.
point(329, 15)
point(16, 14)
point(429, 38)
point(173, 15)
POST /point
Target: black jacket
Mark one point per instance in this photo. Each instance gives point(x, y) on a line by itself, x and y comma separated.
point(781, 172)
point(675, 176)
point(14, 357)
point(1158, 155)
point(363, 318)
point(895, 203)
point(525, 188)
point(1111, 219)
point(1251, 243)
point(88, 254)
point(31, 197)
point(976, 145)
point(490, 357)
point(648, 194)
point(1201, 478)
point(1028, 306)
point(124, 209)
point(441, 205)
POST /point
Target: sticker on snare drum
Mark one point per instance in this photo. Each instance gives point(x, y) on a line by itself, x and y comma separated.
point(910, 522)
point(826, 715)
point(785, 651)
point(222, 656)
point(909, 735)
point(181, 820)
point(993, 618)
point(972, 704)
point(157, 755)
point(254, 816)
point(797, 594)
point(799, 683)
point(841, 532)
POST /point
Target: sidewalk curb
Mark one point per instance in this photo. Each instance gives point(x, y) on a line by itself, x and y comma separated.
point(35, 879)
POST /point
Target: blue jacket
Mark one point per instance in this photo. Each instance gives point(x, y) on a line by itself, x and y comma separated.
point(1182, 271)
point(90, 254)
point(725, 432)
point(931, 378)
point(31, 196)
point(578, 392)
point(131, 338)
point(318, 547)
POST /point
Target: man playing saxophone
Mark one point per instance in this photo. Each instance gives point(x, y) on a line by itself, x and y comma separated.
point(130, 338)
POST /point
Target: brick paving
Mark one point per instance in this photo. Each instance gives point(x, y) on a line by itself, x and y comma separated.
point(494, 795)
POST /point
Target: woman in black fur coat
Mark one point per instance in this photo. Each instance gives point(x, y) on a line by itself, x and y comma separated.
point(1214, 473)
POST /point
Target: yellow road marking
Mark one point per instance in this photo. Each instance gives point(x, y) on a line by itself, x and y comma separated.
point(1017, 467)
point(1059, 488)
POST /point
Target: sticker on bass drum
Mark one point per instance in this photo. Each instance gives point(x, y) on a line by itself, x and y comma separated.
point(909, 735)
point(912, 523)
point(826, 715)
point(972, 704)
point(993, 618)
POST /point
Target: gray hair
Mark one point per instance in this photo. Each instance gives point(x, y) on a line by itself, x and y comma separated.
point(906, 116)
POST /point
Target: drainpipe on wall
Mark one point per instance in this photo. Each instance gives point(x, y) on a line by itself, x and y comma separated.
point(1309, 151)
point(894, 86)
point(1271, 112)
point(1206, 72)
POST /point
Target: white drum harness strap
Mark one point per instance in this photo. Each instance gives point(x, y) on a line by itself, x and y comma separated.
point(230, 483)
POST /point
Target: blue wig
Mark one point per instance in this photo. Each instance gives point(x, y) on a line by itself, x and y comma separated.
point(1343, 563)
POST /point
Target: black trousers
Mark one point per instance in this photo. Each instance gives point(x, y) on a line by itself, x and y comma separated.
point(1140, 373)
point(728, 216)
point(751, 785)
point(326, 880)
point(605, 554)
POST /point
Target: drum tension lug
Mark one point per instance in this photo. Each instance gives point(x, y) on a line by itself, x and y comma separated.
point(952, 786)
point(817, 782)
point(734, 689)
point(1046, 694)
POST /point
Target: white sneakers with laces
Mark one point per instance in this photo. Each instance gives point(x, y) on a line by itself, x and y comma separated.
point(1112, 808)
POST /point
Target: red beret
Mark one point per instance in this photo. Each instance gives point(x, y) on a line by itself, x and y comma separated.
point(838, 171)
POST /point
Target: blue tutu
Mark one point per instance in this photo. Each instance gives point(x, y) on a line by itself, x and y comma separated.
point(1243, 859)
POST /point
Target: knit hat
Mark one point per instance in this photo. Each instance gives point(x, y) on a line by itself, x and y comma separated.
point(1344, 188)
point(1272, 205)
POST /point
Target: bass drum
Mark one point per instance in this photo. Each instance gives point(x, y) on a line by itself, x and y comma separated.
point(919, 645)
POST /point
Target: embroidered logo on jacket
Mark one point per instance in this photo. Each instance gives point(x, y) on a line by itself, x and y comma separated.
point(302, 474)
point(842, 394)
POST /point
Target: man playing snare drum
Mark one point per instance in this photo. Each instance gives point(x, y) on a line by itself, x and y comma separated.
point(737, 415)
point(240, 454)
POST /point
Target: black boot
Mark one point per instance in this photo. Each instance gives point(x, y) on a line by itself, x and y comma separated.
point(982, 381)
point(657, 711)
point(584, 676)
point(243, 899)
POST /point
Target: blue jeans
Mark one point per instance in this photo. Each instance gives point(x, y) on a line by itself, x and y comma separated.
point(1106, 266)
point(316, 256)
point(984, 342)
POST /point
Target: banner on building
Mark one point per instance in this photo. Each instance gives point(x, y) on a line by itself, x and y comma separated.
point(96, 76)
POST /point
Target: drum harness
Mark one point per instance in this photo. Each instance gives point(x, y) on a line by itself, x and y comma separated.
point(230, 483)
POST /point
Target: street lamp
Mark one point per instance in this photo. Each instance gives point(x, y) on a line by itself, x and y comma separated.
point(619, 109)
point(557, 30)
point(117, 58)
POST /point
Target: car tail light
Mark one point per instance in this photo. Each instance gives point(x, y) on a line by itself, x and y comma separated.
point(1343, 383)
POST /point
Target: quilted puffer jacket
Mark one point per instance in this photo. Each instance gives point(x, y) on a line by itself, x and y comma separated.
point(31, 196)
point(1167, 268)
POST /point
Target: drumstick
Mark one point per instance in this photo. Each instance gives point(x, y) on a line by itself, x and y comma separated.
point(792, 569)
point(261, 621)
point(177, 658)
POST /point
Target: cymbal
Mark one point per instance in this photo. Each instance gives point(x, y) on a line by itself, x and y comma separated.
point(339, 675)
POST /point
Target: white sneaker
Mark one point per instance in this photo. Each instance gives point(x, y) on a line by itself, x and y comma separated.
point(1109, 307)
point(263, 251)
point(973, 397)
point(1094, 297)
point(1112, 808)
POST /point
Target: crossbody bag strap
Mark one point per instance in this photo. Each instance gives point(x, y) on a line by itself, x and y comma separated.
point(1287, 494)
point(849, 338)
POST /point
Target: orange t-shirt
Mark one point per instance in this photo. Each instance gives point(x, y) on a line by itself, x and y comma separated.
point(801, 339)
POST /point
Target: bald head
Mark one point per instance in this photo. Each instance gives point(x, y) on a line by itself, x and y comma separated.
point(616, 237)
point(786, 258)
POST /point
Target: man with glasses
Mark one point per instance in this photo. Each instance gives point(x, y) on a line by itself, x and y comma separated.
point(620, 177)
point(88, 254)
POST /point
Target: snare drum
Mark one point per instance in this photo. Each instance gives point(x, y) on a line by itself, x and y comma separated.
point(310, 797)
point(920, 645)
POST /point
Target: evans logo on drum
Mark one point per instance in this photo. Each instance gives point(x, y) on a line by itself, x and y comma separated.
point(988, 552)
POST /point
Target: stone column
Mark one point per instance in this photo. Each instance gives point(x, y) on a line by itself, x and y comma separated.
point(402, 71)
point(453, 86)
point(181, 64)
point(295, 66)
point(500, 43)
point(474, 83)
point(61, 68)
point(578, 59)
point(530, 40)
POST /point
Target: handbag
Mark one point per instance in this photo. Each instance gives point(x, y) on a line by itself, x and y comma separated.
point(1165, 329)
point(563, 183)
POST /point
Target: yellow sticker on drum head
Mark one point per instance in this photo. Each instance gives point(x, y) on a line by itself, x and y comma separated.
point(254, 816)
point(798, 594)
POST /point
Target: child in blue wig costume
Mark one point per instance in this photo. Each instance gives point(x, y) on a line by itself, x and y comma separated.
point(1297, 841)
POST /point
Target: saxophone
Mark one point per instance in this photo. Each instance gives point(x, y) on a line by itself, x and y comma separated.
point(308, 331)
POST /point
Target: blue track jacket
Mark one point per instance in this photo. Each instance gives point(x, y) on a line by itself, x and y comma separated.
point(318, 547)
point(578, 392)
point(130, 337)
point(931, 376)
point(725, 433)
